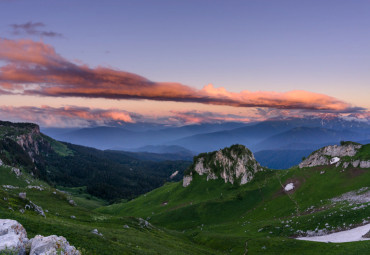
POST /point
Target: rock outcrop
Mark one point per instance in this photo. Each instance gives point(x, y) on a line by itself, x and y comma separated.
point(235, 164)
point(41, 245)
point(13, 239)
point(338, 155)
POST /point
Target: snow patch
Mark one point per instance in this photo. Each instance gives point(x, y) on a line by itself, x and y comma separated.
point(289, 186)
point(350, 235)
point(334, 160)
point(174, 174)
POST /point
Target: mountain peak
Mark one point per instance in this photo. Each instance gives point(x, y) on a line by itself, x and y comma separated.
point(232, 164)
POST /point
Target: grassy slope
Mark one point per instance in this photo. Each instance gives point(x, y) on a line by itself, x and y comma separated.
point(116, 239)
point(225, 217)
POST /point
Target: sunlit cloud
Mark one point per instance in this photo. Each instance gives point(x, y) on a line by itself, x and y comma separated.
point(34, 68)
point(68, 116)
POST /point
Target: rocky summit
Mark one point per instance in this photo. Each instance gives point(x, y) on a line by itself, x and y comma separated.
point(235, 164)
point(347, 154)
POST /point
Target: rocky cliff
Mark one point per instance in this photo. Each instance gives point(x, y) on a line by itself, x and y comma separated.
point(345, 155)
point(235, 164)
point(22, 143)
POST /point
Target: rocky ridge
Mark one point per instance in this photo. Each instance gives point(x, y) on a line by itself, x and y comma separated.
point(338, 155)
point(235, 164)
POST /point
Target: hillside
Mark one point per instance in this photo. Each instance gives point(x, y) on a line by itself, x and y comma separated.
point(106, 174)
point(265, 215)
point(45, 210)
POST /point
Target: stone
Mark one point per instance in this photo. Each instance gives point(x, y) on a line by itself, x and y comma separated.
point(13, 236)
point(35, 187)
point(36, 208)
point(72, 202)
point(187, 180)
point(96, 232)
point(23, 195)
point(365, 164)
point(10, 187)
point(126, 226)
point(41, 245)
point(17, 171)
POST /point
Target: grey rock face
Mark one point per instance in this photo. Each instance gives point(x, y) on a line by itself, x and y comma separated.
point(41, 245)
point(187, 180)
point(365, 164)
point(233, 164)
point(13, 236)
point(330, 155)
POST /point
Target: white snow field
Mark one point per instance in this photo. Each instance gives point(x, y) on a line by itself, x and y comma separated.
point(350, 235)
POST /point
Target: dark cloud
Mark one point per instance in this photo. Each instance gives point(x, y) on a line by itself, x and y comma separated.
point(33, 28)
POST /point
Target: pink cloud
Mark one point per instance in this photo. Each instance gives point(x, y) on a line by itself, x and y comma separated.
point(68, 116)
point(35, 68)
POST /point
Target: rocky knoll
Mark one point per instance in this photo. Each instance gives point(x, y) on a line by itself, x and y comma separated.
point(339, 155)
point(235, 164)
point(13, 240)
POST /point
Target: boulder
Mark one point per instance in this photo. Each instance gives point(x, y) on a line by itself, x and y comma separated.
point(41, 245)
point(17, 171)
point(37, 209)
point(96, 232)
point(22, 195)
point(13, 237)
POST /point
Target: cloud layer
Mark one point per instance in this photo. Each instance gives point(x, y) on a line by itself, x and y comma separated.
point(34, 68)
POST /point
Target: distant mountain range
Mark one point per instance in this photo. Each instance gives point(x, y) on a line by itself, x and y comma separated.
point(284, 136)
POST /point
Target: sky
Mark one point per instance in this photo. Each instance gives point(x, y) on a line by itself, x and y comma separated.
point(85, 63)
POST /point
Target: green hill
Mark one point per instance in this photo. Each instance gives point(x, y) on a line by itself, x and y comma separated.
point(110, 175)
point(260, 216)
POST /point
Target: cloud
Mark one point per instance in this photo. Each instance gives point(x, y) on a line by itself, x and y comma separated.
point(75, 116)
point(191, 117)
point(68, 116)
point(33, 28)
point(34, 68)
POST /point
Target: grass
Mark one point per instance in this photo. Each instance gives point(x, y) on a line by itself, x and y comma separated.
point(224, 217)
